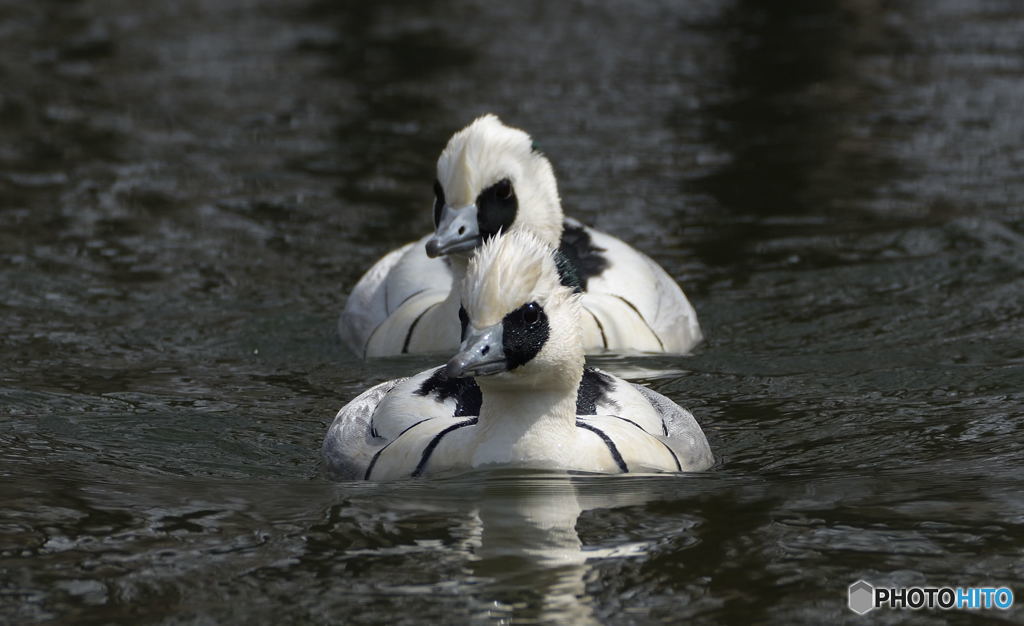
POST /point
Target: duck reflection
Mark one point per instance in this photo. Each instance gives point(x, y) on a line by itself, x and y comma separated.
point(529, 558)
point(495, 545)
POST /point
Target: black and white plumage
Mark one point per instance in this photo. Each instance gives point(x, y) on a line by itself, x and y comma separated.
point(516, 394)
point(490, 179)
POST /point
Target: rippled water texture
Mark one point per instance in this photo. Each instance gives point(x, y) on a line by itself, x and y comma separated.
point(188, 190)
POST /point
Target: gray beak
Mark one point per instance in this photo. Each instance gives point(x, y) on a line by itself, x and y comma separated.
point(457, 231)
point(481, 354)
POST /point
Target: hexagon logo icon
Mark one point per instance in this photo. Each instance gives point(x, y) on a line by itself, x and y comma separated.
point(861, 597)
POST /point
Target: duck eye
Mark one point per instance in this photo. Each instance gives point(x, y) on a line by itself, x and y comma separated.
point(503, 189)
point(531, 313)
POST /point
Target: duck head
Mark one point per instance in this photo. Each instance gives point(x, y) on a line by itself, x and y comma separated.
point(490, 179)
point(520, 325)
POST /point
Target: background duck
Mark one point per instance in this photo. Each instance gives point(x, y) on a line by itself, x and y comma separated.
point(490, 178)
point(532, 404)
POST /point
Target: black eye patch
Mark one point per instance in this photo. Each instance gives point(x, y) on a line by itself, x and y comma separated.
point(464, 321)
point(438, 202)
point(524, 333)
point(496, 208)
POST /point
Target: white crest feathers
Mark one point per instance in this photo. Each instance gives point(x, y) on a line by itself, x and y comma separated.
point(476, 154)
point(487, 151)
point(506, 272)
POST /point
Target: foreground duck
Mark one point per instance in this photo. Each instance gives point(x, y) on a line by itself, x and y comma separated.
point(490, 179)
point(516, 394)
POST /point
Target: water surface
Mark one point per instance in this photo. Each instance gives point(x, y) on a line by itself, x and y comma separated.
point(189, 190)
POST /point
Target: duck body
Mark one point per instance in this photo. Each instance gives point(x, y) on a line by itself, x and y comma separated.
point(634, 305)
point(429, 424)
point(407, 302)
point(517, 393)
point(491, 179)
point(383, 312)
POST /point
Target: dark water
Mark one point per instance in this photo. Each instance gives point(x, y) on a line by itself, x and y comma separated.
point(189, 189)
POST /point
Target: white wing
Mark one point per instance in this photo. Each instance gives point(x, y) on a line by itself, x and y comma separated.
point(637, 303)
point(380, 415)
point(385, 287)
point(349, 445)
point(638, 407)
point(682, 432)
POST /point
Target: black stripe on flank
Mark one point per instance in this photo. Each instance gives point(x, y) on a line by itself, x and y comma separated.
point(366, 346)
point(626, 419)
point(679, 466)
point(600, 327)
point(433, 444)
point(412, 327)
point(641, 316)
point(373, 461)
point(407, 298)
point(608, 442)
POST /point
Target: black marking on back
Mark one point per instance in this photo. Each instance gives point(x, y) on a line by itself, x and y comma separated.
point(373, 461)
point(594, 388)
point(496, 208)
point(412, 327)
point(567, 273)
point(608, 442)
point(581, 252)
point(523, 333)
point(433, 444)
point(642, 319)
point(679, 466)
point(464, 391)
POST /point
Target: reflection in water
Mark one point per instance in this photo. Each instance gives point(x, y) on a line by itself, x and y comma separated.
point(529, 546)
point(648, 368)
point(500, 545)
point(517, 530)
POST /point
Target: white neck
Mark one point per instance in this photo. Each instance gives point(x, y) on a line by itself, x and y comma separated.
point(439, 328)
point(458, 265)
point(450, 307)
point(524, 427)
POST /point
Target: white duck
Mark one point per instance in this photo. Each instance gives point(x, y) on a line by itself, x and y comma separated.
point(533, 403)
point(490, 179)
